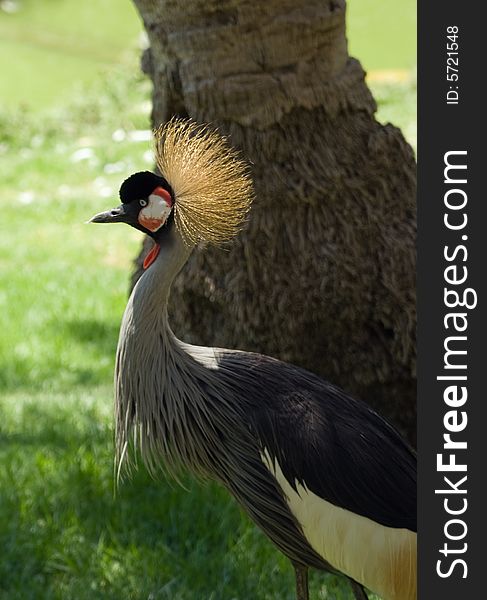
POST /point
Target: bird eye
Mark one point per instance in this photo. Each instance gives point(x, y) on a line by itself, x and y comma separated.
point(143, 202)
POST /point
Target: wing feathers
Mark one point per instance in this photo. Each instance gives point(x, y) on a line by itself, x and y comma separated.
point(326, 441)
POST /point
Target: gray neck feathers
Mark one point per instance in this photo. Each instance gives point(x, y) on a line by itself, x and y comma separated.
point(168, 396)
point(178, 408)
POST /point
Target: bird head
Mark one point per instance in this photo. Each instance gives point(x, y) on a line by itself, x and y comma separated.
point(204, 188)
point(147, 204)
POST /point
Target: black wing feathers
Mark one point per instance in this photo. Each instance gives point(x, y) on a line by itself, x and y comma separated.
point(337, 447)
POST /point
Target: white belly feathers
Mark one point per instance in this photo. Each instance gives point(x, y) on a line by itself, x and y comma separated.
point(381, 558)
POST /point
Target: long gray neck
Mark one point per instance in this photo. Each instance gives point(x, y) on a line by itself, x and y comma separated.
point(161, 384)
point(151, 294)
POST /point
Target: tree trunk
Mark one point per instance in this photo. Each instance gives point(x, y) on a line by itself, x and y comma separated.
point(324, 274)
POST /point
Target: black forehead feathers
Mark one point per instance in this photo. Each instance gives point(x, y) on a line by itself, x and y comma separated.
point(141, 185)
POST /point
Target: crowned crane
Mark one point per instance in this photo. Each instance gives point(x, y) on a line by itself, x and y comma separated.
point(329, 481)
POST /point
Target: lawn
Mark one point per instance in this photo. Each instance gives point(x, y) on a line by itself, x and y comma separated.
point(49, 49)
point(382, 33)
point(63, 287)
point(43, 43)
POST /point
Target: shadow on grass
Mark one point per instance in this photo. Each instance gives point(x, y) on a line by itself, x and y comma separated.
point(64, 527)
point(47, 425)
point(81, 353)
point(92, 332)
point(22, 374)
point(66, 535)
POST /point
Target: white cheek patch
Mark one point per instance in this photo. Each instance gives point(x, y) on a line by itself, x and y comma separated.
point(155, 214)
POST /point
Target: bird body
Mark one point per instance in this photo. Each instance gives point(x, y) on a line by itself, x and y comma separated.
point(329, 481)
point(381, 558)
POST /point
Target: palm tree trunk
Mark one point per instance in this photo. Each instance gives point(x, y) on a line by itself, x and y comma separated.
point(324, 274)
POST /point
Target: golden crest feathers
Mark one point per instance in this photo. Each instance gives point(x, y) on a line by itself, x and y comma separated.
point(211, 183)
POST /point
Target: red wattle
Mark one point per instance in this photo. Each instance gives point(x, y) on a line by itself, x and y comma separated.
point(151, 256)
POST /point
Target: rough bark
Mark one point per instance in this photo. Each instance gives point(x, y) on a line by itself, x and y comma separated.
point(324, 274)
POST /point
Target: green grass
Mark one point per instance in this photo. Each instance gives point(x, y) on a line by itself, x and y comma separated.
point(67, 537)
point(48, 48)
point(63, 285)
point(382, 33)
point(397, 104)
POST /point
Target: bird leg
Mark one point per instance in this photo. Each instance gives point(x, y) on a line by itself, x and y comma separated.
point(358, 591)
point(301, 573)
